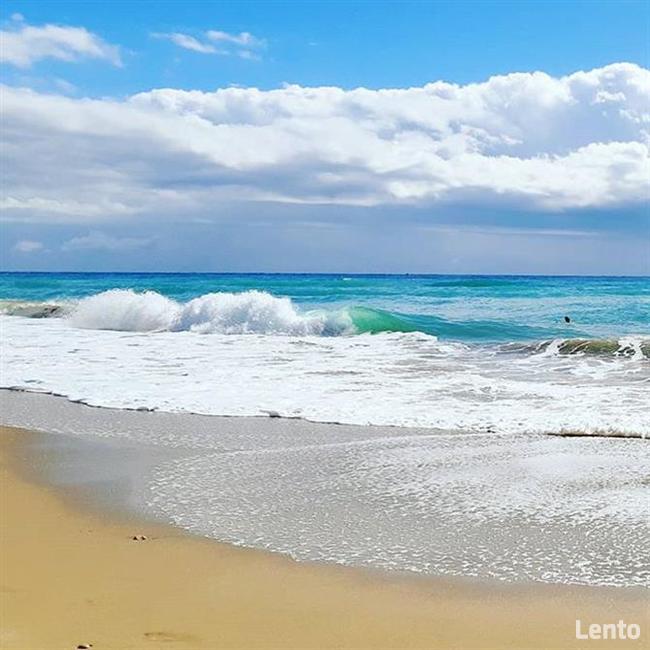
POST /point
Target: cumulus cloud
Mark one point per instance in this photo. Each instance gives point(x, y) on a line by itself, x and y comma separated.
point(244, 44)
point(22, 45)
point(526, 140)
point(102, 242)
point(28, 246)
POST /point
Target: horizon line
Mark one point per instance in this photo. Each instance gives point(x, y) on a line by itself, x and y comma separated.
point(334, 273)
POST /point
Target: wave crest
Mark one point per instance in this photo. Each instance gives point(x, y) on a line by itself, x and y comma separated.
point(630, 347)
point(249, 312)
point(253, 312)
point(259, 312)
point(32, 308)
point(125, 310)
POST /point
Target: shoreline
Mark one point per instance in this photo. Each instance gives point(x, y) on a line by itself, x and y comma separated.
point(89, 582)
point(336, 494)
point(274, 415)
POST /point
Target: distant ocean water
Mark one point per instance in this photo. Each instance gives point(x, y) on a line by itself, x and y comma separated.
point(474, 353)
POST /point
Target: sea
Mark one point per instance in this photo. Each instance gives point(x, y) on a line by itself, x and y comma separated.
point(494, 354)
point(461, 379)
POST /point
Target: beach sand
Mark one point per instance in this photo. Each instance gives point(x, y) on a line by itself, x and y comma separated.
point(72, 575)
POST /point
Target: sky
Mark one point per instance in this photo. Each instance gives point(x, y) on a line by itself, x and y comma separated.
point(368, 137)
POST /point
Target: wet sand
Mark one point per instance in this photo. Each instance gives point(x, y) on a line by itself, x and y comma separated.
point(73, 575)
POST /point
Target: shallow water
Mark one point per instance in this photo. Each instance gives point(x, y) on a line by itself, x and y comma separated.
point(510, 507)
point(457, 352)
point(481, 367)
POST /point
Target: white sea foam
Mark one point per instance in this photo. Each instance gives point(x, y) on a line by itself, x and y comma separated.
point(635, 346)
point(126, 311)
point(406, 379)
point(250, 312)
point(544, 508)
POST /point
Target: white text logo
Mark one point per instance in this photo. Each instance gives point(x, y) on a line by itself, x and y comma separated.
point(597, 631)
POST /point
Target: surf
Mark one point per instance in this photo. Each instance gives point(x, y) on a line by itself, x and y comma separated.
point(263, 313)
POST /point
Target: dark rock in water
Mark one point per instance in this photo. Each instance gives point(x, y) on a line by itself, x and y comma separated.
point(567, 319)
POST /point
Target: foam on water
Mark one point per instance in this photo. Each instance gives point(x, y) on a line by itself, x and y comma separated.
point(481, 365)
point(250, 312)
point(258, 312)
point(507, 507)
point(262, 355)
point(483, 506)
point(34, 309)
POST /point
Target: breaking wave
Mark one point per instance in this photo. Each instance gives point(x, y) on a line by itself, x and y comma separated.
point(249, 312)
point(632, 347)
point(628, 346)
point(259, 312)
point(33, 309)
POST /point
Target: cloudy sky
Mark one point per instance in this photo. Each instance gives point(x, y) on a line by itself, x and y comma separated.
point(334, 136)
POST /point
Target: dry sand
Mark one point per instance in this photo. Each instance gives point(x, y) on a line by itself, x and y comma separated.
point(71, 576)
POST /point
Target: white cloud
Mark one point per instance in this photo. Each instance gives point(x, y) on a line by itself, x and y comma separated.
point(101, 241)
point(28, 246)
point(531, 141)
point(243, 39)
point(67, 207)
point(187, 42)
point(22, 45)
point(244, 44)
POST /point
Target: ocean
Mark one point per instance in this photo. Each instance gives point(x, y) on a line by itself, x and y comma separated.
point(491, 354)
point(461, 376)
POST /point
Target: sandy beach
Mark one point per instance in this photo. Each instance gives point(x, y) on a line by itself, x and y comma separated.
point(324, 325)
point(73, 575)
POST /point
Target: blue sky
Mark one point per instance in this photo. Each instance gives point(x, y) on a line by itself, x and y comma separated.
point(490, 171)
point(348, 44)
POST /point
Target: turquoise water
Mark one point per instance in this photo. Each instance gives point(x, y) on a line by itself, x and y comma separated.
point(466, 353)
point(461, 308)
